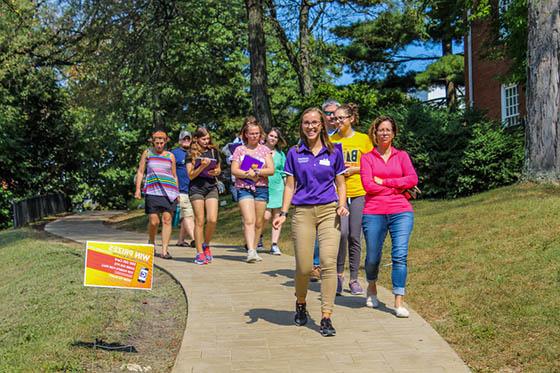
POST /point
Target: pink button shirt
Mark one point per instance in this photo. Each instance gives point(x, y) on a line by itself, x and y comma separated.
point(398, 174)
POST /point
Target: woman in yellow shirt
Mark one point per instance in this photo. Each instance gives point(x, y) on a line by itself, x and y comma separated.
point(354, 145)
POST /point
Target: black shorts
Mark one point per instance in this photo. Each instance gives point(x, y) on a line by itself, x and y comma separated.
point(158, 204)
point(203, 189)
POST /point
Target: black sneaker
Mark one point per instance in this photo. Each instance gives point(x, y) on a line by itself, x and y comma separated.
point(326, 329)
point(301, 314)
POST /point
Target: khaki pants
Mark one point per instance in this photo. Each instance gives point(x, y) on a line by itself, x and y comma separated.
point(307, 223)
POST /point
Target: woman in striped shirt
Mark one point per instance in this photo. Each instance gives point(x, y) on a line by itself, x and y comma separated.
point(161, 189)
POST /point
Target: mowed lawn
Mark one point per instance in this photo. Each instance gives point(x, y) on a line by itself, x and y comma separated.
point(483, 270)
point(47, 316)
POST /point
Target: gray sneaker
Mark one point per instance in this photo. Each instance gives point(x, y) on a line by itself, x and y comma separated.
point(356, 288)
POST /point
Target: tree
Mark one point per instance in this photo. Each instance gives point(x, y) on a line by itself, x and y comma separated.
point(377, 44)
point(447, 70)
point(543, 91)
point(257, 51)
point(300, 54)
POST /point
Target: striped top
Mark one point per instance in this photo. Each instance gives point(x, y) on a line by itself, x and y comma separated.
point(159, 176)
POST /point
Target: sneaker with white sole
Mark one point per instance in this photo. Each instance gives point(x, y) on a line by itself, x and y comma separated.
point(259, 259)
point(401, 312)
point(372, 301)
point(252, 256)
point(355, 287)
point(275, 250)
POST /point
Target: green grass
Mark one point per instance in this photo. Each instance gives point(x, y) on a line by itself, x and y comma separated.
point(46, 311)
point(483, 270)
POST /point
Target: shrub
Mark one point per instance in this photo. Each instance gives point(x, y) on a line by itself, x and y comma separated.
point(457, 154)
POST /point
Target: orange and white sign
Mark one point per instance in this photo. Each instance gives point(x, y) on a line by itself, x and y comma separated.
point(119, 265)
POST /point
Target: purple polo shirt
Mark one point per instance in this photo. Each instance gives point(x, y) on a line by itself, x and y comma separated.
point(314, 175)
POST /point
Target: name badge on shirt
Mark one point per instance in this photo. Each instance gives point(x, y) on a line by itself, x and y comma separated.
point(303, 160)
point(325, 162)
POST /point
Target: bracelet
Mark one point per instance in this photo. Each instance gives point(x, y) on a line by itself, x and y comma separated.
point(283, 213)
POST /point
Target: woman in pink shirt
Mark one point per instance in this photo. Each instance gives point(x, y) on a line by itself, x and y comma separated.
point(386, 173)
point(252, 183)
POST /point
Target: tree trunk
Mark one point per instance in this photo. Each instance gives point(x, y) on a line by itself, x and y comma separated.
point(450, 89)
point(257, 51)
point(306, 82)
point(542, 150)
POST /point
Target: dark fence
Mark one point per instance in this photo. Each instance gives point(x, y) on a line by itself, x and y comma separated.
point(35, 208)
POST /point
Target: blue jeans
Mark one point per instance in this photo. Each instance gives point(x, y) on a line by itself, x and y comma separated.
point(259, 194)
point(375, 230)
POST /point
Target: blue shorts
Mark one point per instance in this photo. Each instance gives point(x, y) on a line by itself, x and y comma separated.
point(259, 194)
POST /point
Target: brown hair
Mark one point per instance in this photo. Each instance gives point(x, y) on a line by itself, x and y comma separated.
point(351, 109)
point(196, 149)
point(377, 122)
point(247, 122)
point(281, 141)
point(324, 136)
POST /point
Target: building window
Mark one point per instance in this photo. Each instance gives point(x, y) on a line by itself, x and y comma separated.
point(510, 105)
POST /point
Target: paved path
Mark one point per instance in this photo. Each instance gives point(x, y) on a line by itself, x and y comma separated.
point(241, 317)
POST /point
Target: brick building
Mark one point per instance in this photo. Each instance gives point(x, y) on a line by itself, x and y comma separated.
point(484, 90)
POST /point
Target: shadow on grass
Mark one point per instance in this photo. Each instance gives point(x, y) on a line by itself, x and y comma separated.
point(102, 345)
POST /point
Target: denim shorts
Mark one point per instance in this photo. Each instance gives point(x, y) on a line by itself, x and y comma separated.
point(259, 194)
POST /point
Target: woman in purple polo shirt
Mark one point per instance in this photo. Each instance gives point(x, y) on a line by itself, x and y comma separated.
point(313, 168)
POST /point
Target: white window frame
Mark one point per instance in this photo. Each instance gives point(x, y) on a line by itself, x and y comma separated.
point(510, 105)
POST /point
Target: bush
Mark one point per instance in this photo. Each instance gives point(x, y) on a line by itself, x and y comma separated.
point(457, 154)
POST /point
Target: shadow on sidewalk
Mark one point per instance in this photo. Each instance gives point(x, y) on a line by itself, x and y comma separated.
point(283, 318)
point(238, 247)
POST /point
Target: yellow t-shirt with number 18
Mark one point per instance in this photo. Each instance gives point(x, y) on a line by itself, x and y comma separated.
point(353, 148)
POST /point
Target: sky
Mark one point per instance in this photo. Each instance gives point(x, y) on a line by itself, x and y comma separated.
point(412, 50)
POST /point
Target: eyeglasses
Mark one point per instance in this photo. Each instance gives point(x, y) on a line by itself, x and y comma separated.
point(329, 113)
point(384, 130)
point(313, 124)
point(341, 119)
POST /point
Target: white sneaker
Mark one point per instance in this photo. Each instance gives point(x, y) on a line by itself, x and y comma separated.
point(259, 259)
point(275, 250)
point(252, 256)
point(372, 301)
point(402, 312)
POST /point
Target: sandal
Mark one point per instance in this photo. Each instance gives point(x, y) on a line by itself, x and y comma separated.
point(182, 244)
point(166, 256)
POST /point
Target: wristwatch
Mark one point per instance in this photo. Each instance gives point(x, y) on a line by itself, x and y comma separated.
point(283, 213)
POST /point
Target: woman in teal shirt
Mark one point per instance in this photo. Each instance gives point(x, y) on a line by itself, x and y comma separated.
point(275, 142)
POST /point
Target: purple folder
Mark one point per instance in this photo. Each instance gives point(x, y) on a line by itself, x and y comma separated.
point(211, 166)
point(248, 163)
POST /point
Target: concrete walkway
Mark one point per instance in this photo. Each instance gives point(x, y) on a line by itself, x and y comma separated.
point(241, 317)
